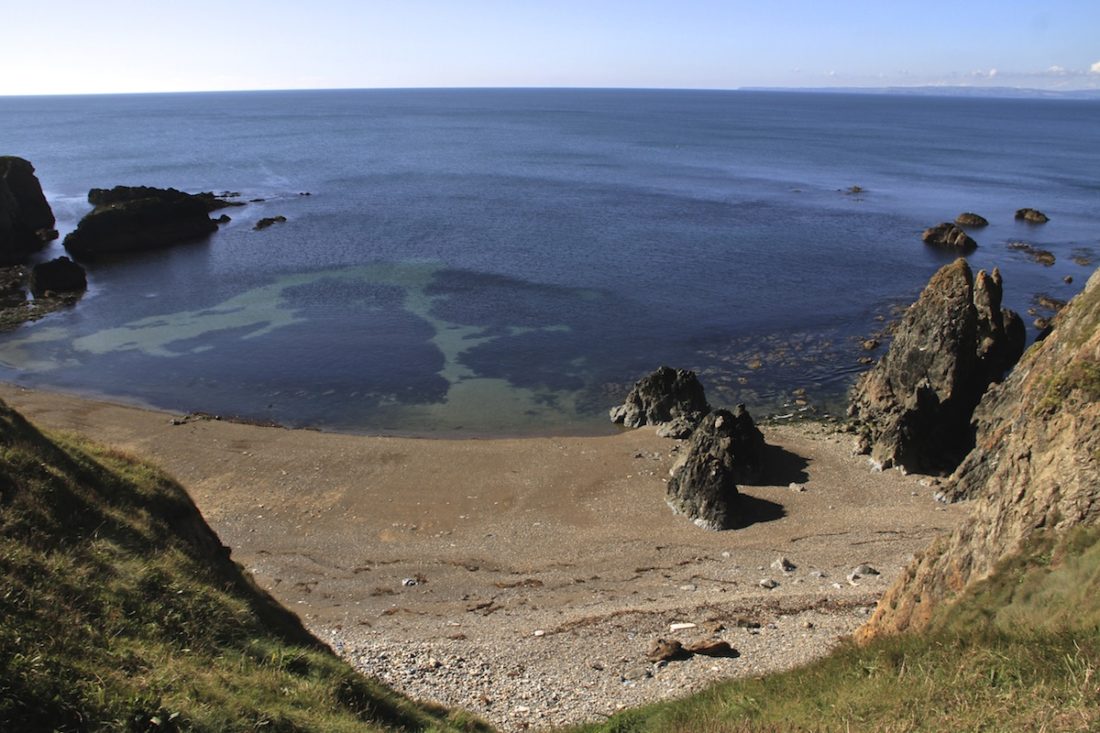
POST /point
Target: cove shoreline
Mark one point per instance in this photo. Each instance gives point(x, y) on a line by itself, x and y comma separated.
point(434, 564)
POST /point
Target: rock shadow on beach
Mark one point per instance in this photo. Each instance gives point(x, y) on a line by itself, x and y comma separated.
point(781, 468)
point(753, 510)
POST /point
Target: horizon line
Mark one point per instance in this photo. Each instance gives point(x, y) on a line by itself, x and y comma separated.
point(895, 88)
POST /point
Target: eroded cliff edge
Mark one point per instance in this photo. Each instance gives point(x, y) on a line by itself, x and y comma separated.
point(1035, 468)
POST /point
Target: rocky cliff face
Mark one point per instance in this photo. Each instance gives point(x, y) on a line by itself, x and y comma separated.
point(1036, 466)
point(913, 409)
point(26, 221)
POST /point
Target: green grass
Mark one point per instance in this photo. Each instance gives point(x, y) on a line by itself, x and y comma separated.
point(1020, 652)
point(120, 610)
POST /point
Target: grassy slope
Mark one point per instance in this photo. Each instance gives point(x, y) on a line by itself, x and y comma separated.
point(120, 610)
point(1019, 652)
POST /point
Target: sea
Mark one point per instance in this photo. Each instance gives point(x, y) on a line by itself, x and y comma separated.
point(509, 261)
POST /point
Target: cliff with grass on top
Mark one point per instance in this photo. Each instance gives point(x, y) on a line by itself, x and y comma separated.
point(121, 610)
point(1034, 474)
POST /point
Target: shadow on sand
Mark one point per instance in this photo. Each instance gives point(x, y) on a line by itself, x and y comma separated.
point(755, 511)
point(781, 468)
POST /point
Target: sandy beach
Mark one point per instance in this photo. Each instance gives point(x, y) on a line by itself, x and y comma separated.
point(525, 579)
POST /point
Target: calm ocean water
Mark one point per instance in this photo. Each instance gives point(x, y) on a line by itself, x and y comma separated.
point(509, 261)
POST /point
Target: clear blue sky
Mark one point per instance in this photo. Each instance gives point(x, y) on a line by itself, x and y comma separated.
point(78, 46)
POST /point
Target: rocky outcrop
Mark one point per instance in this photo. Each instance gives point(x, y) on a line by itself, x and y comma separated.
point(1032, 216)
point(135, 218)
point(1040, 256)
point(913, 408)
point(661, 397)
point(1035, 468)
point(26, 221)
point(948, 236)
point(726, 448)
point(970, 219)
point(122, 194)
point(56, 277)
point(269, 221)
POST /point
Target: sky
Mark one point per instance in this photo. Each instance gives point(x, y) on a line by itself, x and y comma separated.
point(110, 46)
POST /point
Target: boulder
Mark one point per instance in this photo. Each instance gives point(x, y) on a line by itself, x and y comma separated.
point(138, 218)
point(970, 219)
point(1033, 216)
point(948, 236)
point(26, 221)
point(1034, 472)
point(913, 408)
point(56, 277)
point(726, 448)
point(662, 396)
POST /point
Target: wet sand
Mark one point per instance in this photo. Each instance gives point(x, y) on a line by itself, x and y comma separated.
point(524, 579)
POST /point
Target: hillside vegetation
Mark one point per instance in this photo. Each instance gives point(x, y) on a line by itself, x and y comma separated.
point(121, 610)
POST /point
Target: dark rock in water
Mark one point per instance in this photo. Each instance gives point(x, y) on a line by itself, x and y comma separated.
point(56, 277)
point(1034, 216)
point(949, 236)
point(137, 218)
point(913, 409)
point(1041, 256)
point(268, 221)
point(223, 219)
point(26, 221)
point(970, 219)
point(123, 194)
point(662, 396)
point(1049, 302)
point(725, 448)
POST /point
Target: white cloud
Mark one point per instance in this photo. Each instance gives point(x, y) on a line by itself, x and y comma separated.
point(1095, 68)
point(1056, 70)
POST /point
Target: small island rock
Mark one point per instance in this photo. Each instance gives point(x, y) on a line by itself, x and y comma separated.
point(137, 218)
point(26, 221)
point(948, 236)
point(970, 219)
point(1033, 216)
point(268, 221)
point(662, 396)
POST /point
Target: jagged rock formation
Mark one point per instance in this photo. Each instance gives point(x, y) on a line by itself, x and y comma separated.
point(139, 218)
point(26, 221)
point(948, 236)
point(725, 448)
point(57, 276)
point(970, 219)
point(661, 397)
point(913, 408)
point(1033, 216)
point(1036, 467)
